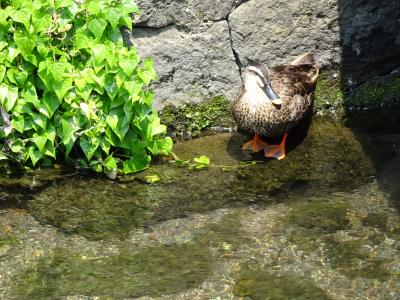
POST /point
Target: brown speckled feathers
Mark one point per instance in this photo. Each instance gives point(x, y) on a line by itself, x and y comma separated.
point(294, 83)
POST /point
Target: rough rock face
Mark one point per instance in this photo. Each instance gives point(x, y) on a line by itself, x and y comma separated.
point(191, 14)
point(199, 46)
point(275, 31)
point(191, 66)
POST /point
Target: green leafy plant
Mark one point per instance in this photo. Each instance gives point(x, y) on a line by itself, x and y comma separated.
point(69, 88)
point(197, 163)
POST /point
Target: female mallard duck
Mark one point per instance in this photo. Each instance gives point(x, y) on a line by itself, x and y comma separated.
point(274, 100)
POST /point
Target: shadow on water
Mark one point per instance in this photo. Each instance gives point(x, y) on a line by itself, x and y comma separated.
point(370, 43)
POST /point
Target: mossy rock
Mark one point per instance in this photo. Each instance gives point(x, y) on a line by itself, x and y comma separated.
point(190, 119)
point(333, 94)
point(262, 284)
point(328, 93)
point(376, 93)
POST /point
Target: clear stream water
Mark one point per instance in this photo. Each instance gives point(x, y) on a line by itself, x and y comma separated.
point(321, 224)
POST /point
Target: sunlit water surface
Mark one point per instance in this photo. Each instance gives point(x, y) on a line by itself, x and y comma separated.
point(321, 224)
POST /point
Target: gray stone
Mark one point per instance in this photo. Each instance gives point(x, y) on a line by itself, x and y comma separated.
point(276, 31)
point(191, 14)
point(190, 66)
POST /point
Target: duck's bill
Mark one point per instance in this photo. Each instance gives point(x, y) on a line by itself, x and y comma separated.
point(272, 96)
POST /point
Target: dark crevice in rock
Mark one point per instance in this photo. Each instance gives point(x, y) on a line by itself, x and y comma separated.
point(235, 54)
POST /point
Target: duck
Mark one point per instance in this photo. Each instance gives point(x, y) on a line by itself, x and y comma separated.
point(274, 100)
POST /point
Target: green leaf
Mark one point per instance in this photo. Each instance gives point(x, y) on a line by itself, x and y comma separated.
point(2, 72)
point(96, 166)
point(82, 41)
point(179, 161)
point(82, 88)
point(18, 124)
point(100, 52)
point(152, 178)
point(50, 133)
point(13, 52)
point(112, 121)
point(110, 86)
point(134, 89)
point(129, 6)
point(104, 145)
point(165, 146)
point(147, 73)
point(50, 103)
point(137, 163)
point(3, 16)
point(49, 149)
point(113, 14)
point(8, 96)
point(40, 141)
point(62, 87)
point(41, 20)
point(200, 162)
point(34, 154)
point(17, 146)
point(68, 133)
point(97, 27)
point(63, 3)
point(156, 127)
point(110, 163)
point(30, 95)
point(120, 78)
point(94, 6)
point(25, 42)
point(40, 121)
point(128, 61)
point(21, 16)
point(89, 147)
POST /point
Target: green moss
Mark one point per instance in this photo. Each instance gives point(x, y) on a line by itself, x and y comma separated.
point(155, 271)
point(263, 284)
point(328, 93)
point(191, 118)
point(375, 93)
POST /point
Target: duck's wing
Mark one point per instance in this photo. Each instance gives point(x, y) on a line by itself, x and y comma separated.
point(292, 80)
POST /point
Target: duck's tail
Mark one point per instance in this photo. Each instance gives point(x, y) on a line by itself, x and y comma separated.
point(304, 59)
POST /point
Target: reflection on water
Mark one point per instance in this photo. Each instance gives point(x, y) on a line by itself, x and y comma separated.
point(319, 225)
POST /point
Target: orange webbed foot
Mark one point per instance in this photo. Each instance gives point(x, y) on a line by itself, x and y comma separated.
point(255, 145)
point(277, 151)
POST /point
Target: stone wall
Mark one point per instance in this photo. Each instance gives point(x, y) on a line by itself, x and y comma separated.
point(199, 47)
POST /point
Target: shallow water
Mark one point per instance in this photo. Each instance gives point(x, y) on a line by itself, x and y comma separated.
point(321, 224)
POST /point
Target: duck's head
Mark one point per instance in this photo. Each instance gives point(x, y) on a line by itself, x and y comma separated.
point(256, 80)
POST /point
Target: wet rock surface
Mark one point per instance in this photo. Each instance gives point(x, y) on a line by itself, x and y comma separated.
point(318, 225)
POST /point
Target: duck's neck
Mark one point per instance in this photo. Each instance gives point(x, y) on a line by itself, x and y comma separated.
point(254, 93)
